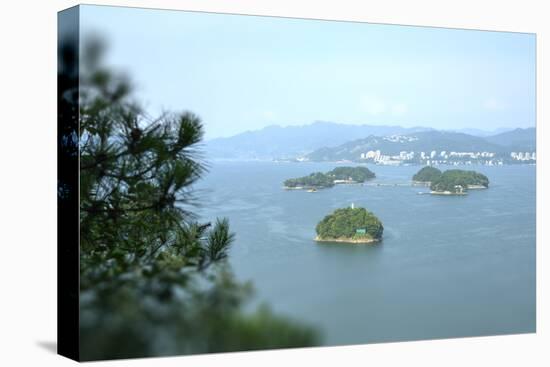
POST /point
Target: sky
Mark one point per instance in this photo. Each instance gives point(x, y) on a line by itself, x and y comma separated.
point(241, 73)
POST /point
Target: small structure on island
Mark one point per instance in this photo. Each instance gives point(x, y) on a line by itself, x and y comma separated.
point(352, 205)
point(361, 231)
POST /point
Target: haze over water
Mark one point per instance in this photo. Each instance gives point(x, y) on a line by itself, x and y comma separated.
point(447, 266)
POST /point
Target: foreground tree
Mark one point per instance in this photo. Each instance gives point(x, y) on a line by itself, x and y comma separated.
point(153, 280)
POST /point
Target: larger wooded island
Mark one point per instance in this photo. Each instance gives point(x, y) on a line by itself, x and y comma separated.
point(452, 181)
point(339, 175)
point(350, 225)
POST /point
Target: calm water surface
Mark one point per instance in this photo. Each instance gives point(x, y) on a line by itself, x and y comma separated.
point(447, 266)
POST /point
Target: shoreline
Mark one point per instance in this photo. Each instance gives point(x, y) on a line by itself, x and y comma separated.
point(477, 187)
point(448, 193)
point(350, 183)
point(306, 187)
point(361, 162)
point(347, 240)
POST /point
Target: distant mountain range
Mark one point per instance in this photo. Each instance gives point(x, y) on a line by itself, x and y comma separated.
point(523, 140)
point(479, 132)
point(291, 141)
point(276, 142)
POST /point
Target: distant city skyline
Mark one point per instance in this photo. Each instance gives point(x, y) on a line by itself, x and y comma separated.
point(241, 73)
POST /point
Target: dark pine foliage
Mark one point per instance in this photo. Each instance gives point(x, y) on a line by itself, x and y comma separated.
point(154, 280)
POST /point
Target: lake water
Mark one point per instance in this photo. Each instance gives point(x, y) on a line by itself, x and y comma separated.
point(447, 266)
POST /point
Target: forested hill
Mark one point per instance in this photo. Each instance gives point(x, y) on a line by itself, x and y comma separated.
point(518, 139)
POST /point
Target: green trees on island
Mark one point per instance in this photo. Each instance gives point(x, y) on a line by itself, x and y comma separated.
point(355, 174)
point(154, 280)
point(427, 174)
point(316, 180)
point(458, 181)
point(319, 180)
point(453, 181)
point(350, 225)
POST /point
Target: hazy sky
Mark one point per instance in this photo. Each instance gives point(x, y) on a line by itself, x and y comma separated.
point(243, 73)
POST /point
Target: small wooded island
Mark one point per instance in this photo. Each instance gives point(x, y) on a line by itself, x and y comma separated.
point(350, 225)
point(452, 181)
point(426, 175)
point(339, 175)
